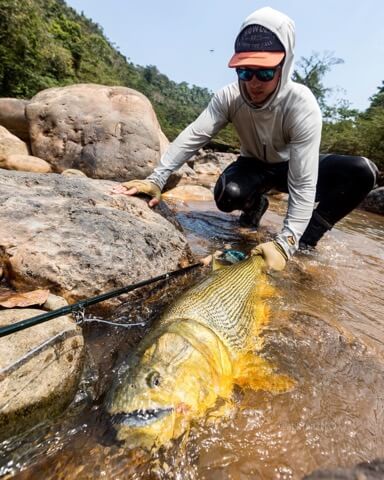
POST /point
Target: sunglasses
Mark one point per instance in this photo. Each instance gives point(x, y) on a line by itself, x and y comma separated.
point(262, 74)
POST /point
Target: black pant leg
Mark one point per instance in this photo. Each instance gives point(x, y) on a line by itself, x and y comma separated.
point(344, 181)
point(244, 181)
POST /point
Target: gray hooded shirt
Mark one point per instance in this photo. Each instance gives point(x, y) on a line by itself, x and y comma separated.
point(287, 128)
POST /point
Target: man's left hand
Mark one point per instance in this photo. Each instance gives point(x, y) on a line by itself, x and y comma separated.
point(273, 254)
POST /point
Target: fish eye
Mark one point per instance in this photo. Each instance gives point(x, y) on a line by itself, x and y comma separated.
point(154, 379)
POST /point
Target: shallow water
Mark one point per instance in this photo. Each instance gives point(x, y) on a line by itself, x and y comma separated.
point(326, 331)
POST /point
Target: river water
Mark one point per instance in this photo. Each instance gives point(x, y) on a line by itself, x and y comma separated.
point(326, 331)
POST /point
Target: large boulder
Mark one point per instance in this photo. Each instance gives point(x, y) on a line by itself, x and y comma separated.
point(40, 368)
point(10, 144)
point(12, 117)
point(106, 132)
point(71, 235)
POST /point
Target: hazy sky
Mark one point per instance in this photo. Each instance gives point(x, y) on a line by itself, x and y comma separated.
point(193, 40)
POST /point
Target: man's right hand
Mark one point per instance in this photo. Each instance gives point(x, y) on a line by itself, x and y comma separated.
point(137, 187)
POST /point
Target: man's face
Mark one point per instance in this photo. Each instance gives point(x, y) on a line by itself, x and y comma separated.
point(258, 91)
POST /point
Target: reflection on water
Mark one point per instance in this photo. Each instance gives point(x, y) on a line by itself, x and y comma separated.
point(326, 331)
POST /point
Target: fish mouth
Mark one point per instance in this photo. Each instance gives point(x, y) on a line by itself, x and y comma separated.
point(141, 417)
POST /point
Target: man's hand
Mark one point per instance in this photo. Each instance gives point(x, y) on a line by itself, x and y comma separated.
point(137, 187)
point(273, 254)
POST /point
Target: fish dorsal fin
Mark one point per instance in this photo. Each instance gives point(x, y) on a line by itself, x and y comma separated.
point(218, 264)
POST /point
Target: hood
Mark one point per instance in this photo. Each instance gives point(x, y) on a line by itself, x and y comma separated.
point(284, 28)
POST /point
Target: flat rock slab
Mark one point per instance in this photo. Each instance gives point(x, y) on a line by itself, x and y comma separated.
point(71, 235)
point(189, 192)
point(40, 368)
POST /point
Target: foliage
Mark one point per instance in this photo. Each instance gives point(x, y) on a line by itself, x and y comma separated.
point(345, 131)
point(45, 43)
point(311, 71)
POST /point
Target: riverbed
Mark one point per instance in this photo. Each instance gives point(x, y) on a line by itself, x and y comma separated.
point(326, 331)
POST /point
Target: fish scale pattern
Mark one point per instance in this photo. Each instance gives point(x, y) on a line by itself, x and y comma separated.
point(225, 301)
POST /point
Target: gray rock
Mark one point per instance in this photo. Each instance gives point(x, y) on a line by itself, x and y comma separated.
point(363, 471)
point(40, 369)
point(216, 162)
point(12, 117)
point(374, 202)
point(71, 235)
point(106, 132)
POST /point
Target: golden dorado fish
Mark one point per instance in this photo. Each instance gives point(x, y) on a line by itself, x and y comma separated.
point(205, 343)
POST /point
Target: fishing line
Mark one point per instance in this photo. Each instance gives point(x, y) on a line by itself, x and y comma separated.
point(81, 305)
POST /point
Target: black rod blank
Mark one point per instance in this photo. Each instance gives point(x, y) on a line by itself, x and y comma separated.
point(82, 304)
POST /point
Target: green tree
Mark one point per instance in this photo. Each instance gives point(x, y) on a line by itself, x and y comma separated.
point(311, 72)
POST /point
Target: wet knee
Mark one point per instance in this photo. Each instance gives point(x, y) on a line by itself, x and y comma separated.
point(228, 196)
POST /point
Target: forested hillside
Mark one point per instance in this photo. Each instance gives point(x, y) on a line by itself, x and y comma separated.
point(45, 43)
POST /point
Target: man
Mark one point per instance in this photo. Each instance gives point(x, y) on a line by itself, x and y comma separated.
point(279, 125)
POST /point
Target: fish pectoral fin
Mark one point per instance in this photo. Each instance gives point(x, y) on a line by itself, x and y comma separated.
point(225, 410)
point(256, 373)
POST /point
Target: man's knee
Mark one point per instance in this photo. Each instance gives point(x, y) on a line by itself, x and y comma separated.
point(228, 196)
point(364, 171)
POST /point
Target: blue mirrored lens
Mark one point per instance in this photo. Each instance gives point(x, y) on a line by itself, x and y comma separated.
point(262, 74)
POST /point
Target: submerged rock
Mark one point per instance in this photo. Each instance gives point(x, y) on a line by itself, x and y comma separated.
point(40, 368)
point(71, 235)
point(363, 471)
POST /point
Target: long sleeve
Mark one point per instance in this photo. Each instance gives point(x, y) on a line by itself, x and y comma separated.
point(305, 136)
point(194, 137)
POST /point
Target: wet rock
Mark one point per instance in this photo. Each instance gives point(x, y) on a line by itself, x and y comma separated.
point(10, 144)
point(72, 236)
point(39, 370)
point(12, 117)
point(374, 202)
point(25, 163)
point(189, 192)
point(106, 132)
point(363, 471)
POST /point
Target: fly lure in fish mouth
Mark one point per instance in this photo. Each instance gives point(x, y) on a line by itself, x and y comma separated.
point(140, 418)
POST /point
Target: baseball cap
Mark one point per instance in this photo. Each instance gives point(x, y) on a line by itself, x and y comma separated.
point(257, 46)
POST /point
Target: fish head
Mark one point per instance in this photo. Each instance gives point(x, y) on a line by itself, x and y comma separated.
point(160, 392)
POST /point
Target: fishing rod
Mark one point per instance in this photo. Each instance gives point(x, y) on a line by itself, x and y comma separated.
point(82, 304)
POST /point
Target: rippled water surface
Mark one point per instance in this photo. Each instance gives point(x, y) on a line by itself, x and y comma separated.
point(326, 331)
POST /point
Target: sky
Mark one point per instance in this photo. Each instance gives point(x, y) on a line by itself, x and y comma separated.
point(192, 40)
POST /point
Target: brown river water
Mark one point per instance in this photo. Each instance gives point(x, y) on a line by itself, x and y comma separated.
point(326, 331)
